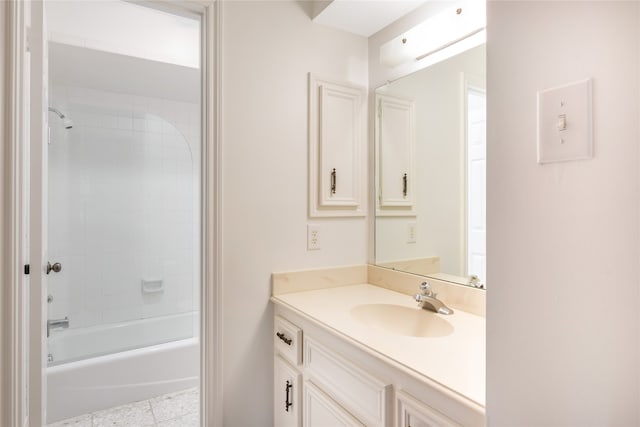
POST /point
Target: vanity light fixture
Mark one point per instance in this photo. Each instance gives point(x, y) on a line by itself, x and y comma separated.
point(442, 30)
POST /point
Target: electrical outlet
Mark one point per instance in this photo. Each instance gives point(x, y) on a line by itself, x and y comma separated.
point(411, 232)
point(313, 237)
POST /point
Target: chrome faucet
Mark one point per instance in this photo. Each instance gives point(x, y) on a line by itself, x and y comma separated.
point(427, 300)
point(57, 323)
point(475, 282)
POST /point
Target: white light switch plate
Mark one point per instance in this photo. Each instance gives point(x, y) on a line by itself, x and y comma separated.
point(565, 123)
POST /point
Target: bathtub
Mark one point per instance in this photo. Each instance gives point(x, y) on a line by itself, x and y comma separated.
point(101, 382)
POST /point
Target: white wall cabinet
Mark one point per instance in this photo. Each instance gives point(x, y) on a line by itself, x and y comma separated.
point(395, 165)
point(342, 385)
point(337, 138)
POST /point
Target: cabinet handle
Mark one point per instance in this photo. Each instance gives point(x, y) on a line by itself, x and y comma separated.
point(404, 185)
point(286, 340)
point(333, 181)
point(286, 401)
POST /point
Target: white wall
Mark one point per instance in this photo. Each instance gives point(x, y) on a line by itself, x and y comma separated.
point(563, 242)
point(269, 47)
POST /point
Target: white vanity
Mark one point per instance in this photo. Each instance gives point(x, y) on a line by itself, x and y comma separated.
point(349, 351)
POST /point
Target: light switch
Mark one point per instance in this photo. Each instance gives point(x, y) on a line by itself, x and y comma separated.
point(565, 123)
point(562, 122)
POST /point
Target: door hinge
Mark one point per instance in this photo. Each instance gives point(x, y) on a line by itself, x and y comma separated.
point(26, 269)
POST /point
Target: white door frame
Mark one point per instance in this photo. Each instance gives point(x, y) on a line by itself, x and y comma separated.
point(36, 123)
point(15, 388)
point(470, 83)
point(15, 282)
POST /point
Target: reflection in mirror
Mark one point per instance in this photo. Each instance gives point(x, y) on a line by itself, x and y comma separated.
point(430, 171)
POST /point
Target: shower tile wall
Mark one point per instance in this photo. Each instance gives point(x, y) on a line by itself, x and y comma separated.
point(123, 206)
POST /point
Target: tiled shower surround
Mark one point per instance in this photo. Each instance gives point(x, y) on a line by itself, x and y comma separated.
point(124, 202)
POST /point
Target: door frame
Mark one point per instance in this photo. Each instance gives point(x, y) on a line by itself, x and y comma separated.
point(469, 83)
point(16, 329)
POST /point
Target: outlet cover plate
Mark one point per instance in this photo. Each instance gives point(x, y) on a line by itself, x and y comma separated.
point(565, 123)
point(411, 231)
point(313, 237)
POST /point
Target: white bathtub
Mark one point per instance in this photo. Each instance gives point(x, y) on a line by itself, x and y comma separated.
point(101, 382)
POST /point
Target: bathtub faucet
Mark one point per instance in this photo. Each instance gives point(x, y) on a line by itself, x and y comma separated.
point(57, 323)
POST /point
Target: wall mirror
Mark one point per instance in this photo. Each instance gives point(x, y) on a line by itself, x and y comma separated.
point(430, 150)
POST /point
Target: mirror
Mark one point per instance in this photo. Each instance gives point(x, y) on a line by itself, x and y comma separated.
point(430, 168)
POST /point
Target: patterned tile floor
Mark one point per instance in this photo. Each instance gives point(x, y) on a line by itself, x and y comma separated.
point(179, 409)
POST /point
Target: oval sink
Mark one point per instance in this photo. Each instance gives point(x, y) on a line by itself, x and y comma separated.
point(400, 320)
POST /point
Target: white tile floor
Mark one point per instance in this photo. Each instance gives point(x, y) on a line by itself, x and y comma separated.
point(179, 409)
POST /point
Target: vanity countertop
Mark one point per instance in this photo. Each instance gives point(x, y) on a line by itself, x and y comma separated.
point(455, 361)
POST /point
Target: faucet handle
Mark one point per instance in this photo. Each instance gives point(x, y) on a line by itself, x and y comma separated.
point(426, 289)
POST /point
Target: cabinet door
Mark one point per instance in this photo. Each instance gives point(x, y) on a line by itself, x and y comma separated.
point(413, 413)
point(362, 394)
point(286, 394)
point(395, 142)
point(322, 411)
point(337, 125)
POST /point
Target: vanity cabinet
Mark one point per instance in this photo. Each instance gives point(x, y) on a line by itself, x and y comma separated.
point(287, 378)
point(322, 411)
point(361, 393)
point(335, 393)
point(413, 413)
point(322, 379)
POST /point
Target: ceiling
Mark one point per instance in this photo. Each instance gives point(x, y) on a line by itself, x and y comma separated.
point(363, 17)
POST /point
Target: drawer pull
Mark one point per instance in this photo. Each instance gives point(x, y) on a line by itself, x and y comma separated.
point(286, 401)
point(286, 340)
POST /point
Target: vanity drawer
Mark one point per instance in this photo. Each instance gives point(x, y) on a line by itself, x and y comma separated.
point(287, 340)
point(364, 396)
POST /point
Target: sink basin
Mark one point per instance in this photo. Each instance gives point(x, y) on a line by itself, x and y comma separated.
point(401, 320)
